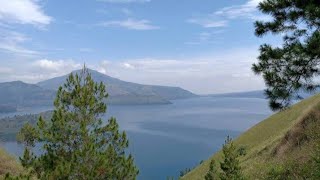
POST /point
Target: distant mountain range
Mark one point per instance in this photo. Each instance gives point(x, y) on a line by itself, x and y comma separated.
point(257, 94)
point(246, 94)
point(21, 94)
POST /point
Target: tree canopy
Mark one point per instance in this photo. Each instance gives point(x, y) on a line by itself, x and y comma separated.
point(293, 67)
point(230, 166)
point(77, 144)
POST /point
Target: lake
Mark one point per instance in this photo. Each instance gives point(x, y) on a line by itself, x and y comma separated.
point(165, 139)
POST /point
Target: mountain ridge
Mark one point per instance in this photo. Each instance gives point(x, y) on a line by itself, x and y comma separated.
point(259, 94)
point(116, 87)
point(18, 93)
point(120, 92)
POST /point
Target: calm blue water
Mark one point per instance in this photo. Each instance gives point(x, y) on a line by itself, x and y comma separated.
point(165, 139)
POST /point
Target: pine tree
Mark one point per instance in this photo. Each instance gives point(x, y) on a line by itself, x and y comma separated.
point(212, 174)
point(292, 67)
point(28, 136)
point(76, 142)
point(230, 165)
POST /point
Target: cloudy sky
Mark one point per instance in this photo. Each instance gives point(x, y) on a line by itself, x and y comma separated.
point(206, 46)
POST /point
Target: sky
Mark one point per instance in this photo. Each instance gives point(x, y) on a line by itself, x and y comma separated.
point(205, 46)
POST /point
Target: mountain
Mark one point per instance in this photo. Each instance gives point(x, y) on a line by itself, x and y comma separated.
point(17, 93)
point(258, 94)
point(246, 94)
point(283, 143)
point(122, 92)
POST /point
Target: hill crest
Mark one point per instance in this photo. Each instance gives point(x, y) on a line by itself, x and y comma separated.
point(117, 87)
point(278, 139)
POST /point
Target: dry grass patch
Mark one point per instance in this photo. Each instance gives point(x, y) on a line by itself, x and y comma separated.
point(8, 164)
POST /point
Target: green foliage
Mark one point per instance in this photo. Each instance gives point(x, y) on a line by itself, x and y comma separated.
point(242, 150)
point(278, 173)
point(261, 140)
point(25, 175)
point(316, 158)
point(291, 170)
point(76, 143)
point(292, 67)
point(230, 165)
point(27, 135)
point(304, 164)
point(184, 172)
point(20, 177)
point(212, 174)
point(10, 126)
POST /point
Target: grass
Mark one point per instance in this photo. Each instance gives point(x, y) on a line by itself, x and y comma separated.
point(263, 139)
point(8, 164)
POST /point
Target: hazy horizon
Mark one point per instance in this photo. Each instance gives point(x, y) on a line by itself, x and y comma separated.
point(205, 47)
point(35, 83)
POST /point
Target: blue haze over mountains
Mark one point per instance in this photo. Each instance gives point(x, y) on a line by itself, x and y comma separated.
point(20, 94)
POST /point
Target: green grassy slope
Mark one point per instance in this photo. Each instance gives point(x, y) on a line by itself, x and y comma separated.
point(266, 140)
point(8, 164)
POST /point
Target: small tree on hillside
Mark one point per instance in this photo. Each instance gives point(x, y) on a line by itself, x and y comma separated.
point(76, 142)
point(212, 174)
point(230, 165)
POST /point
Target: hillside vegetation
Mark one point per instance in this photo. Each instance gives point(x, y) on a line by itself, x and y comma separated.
point(8, 164)
point(284, 139)
point(10, 126)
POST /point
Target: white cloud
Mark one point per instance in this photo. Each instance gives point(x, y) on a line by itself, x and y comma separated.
point(19, 12)
point(207, 37)
point(128, 66)
point(208, 22)
point(23, 12)
point(247, 10)
point(11, 42)
point(164, 65)
point(227, 71)
point(130, 24)
point(125, 1)
point(102, 68)
point(5, 70)
point(32, 71)
point(223, 71)
point(222, 17)
point(56, 66)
